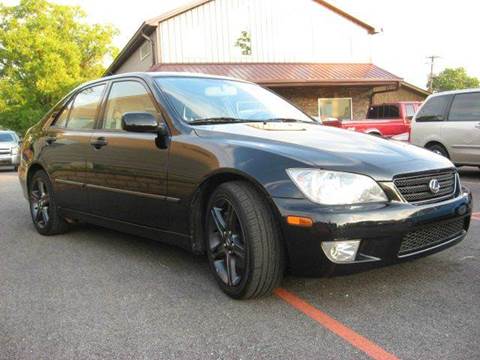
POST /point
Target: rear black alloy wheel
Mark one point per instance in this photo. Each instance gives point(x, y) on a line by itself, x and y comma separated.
point(43, 206)
point(39, 203)
point(226, 243)
point(243, 242)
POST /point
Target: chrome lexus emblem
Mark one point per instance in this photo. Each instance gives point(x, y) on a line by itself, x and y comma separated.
point(434, 186)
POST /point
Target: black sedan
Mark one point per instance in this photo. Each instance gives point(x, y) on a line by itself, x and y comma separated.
point(224, 167)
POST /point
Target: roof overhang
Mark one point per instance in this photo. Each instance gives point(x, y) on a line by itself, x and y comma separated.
point(292, 74)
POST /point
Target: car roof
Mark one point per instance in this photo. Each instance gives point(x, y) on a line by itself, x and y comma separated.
point(156, 74)
point(453, 92)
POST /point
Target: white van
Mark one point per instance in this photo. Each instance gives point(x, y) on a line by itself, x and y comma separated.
point(448, 124)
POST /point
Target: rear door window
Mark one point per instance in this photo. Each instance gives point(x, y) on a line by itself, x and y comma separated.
point(85, 107)
point(61, 120)
point(390, 112)
point(434, 109)
point(465, 107)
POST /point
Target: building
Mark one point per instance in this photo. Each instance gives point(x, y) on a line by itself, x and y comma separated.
point(308, 51)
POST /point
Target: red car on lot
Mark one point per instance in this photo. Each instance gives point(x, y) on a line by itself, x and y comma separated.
point(390, 120)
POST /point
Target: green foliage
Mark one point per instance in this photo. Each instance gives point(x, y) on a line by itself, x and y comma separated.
point(46, 50)
point(454, 79)
point(244, 42)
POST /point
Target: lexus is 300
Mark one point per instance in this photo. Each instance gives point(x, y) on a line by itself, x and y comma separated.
point(226, 168)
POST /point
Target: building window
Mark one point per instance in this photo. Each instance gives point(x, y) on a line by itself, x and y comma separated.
point(145, 50)
point(335, 108)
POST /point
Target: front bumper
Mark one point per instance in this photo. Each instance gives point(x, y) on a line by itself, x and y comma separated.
point(381, 228)
point(7, 159)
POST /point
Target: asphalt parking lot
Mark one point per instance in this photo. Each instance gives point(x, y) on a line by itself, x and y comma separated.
point(95, 293)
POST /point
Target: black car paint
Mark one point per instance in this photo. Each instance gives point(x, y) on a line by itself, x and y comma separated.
point(163, 192)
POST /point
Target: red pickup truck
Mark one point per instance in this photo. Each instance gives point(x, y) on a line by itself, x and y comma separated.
point(386, 120)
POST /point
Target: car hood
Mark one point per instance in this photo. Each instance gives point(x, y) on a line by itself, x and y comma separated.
point(8, 145)
point(329, 148)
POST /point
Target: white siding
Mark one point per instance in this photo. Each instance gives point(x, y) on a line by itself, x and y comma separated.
point(280, 30)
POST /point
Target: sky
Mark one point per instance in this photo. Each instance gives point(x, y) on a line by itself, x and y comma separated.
point(411, 29)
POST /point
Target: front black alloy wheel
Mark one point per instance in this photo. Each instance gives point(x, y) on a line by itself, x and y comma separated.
point(43, 206)
point(243, 242)
point(226, 243)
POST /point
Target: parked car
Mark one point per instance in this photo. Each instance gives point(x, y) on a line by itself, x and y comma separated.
point(9, 149)
point(449, 125)
point(167, 156)
point(390, 120)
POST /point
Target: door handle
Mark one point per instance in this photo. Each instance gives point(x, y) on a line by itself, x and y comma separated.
point(477, 126)
point(98, 143)
point(50, 140)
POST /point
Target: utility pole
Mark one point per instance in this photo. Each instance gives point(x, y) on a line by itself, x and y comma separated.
point(430, 78)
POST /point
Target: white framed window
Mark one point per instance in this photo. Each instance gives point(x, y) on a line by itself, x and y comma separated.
point(335, 108)
point(145, 50)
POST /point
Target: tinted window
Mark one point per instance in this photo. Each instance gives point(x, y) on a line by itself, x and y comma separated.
point(126, 96)
point(84, 109)
point(390, 112)
point(409, 110)
point(465, 107)
point(6, 138)
point(434, 109)
point(374, 112)
point(61, 120)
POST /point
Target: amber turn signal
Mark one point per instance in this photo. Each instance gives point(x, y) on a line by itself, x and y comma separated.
point(299, 221)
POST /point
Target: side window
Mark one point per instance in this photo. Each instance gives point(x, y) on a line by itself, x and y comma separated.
point(61, 120)
point(126, 96)
point(84, 108)
point(434, 109)
point(409, 111)
point(390, 112)
point(374, 112)
point(465, 107)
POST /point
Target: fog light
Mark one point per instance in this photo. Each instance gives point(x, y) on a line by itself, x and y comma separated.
point(341, 251)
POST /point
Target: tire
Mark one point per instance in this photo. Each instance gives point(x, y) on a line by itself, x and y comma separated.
point(252, 247)
point(438, 149)
point(43, 207)
point(15, 168)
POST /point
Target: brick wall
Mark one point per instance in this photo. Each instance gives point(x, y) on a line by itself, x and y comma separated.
point(306, 97)
point(402, 94)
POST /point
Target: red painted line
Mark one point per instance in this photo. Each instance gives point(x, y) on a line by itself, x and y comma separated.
point(476, 216)
point(357, 340)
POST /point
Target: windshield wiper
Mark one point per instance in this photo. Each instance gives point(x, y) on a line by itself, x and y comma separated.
point(217, 120)
point(288, 120)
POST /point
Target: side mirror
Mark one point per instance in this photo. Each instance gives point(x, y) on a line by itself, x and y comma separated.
point(142, 122)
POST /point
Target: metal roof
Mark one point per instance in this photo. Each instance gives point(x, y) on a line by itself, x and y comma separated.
point(291, 74)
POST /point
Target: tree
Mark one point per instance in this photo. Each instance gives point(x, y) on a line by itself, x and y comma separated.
point(454, 79)
point(46, 50)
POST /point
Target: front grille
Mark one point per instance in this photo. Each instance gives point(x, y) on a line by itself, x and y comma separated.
point(426, 236)
point(4, 151)
point(415, 188)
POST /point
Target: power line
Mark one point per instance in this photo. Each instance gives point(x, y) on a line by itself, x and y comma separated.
point(430, 78)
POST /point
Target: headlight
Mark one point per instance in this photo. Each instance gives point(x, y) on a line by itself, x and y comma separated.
point(14, 150)
point(336, 188)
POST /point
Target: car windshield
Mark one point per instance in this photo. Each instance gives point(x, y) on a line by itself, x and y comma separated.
point(204, 100)
point(6, 137)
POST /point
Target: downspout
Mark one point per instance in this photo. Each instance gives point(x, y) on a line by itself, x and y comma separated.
point(152, 44)
point(373, 93)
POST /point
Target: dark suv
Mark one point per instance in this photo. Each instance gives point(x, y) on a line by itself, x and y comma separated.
point(224, 167)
